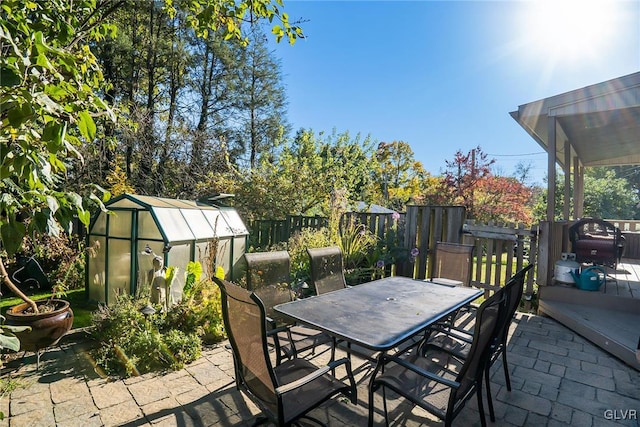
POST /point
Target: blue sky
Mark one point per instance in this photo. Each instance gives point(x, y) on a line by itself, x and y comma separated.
point(444, 75)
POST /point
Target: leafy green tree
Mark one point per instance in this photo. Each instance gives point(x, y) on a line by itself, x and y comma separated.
point(399, 177)
point(51, 93)
point(631, 174)
point(213, 81)
point(195, 102)
point(605, 196)
point(260, 101)
point(301, 179)
point(523, 172)
point(434, 191)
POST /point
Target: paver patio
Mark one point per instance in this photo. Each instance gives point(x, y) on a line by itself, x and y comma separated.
point(558, 379)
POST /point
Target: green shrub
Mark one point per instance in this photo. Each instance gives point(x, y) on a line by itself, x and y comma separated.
point(356, 243)
point(200, 311)
point(297, 247)
point(185, 348)
point(131, 344)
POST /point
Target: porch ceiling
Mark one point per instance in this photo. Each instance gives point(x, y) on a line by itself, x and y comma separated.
point(601, 122)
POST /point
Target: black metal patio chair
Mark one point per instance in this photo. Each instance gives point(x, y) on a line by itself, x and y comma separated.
point(457, 342)
point(285, 392)
point(268, 276)
point(453, 264)
point(327, 275)
point(436, 380)
point(327, 270)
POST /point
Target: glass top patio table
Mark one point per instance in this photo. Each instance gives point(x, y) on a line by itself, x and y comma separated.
point(381, 314)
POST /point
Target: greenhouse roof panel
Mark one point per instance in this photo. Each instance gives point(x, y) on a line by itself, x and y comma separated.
point(234, 221)
point(218, 223)
point(173, 224)
point(182, 220)
point(198, 223)
point(125, 204)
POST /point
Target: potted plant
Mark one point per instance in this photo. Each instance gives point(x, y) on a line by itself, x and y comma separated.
point(47, 320)
point(52, 317)
point(52, 321)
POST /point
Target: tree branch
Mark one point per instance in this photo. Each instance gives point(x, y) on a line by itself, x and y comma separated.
point(7, 281)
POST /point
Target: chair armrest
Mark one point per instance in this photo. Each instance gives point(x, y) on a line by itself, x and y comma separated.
point(423, 372)
point(280, 353)
point(457, 333)
point(302, 381)
point(310, 377)
point(271, 323)
point(275, 331)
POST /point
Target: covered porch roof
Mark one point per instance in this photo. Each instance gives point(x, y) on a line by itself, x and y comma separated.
point(601, 122)
point(597, 125)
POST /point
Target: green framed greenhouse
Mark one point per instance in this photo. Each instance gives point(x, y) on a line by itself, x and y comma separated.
point(136, 229)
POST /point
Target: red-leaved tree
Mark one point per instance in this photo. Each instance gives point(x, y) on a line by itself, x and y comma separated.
point(463, 175)
point(503, 200)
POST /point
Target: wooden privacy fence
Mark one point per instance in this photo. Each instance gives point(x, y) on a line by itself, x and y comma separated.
point(268, 232)
point(499, 251)
point(379, 224)
point(631, 232)
point(424, 226)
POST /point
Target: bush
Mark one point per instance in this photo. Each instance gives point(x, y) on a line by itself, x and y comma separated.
point(200, 311)
point(131, 344)
point(297, 247)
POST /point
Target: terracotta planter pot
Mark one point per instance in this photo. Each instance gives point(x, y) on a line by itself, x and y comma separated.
point(46, 328)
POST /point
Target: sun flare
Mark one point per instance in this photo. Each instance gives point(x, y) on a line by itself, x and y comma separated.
point(572, 29)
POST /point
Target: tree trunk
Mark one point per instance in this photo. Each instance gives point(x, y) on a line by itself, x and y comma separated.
point(7, 281)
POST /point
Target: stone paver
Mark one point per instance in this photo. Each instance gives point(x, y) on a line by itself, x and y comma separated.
point(109, 394)
point(75, 408)
point(152, 390)
point(558, 379)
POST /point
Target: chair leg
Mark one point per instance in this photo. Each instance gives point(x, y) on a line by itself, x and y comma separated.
point(492, 415)
point(384, 405)
point(505, 367)
point(333, 349)
point(483, 421)
point(371, 391)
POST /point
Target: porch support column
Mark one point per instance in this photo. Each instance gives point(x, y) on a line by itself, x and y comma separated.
point(567, 181)
point(551, 169)
point(578, 188)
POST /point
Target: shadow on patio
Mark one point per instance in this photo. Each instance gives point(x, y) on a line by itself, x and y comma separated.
point(558, 378)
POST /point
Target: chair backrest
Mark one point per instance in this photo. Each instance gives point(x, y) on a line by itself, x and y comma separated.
point(591, 227)
point(268, 276)
point(244, 320)
point(513, 291)
point(487, 318)
point(267, 268)
point(453, 261)
point(327, 273)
